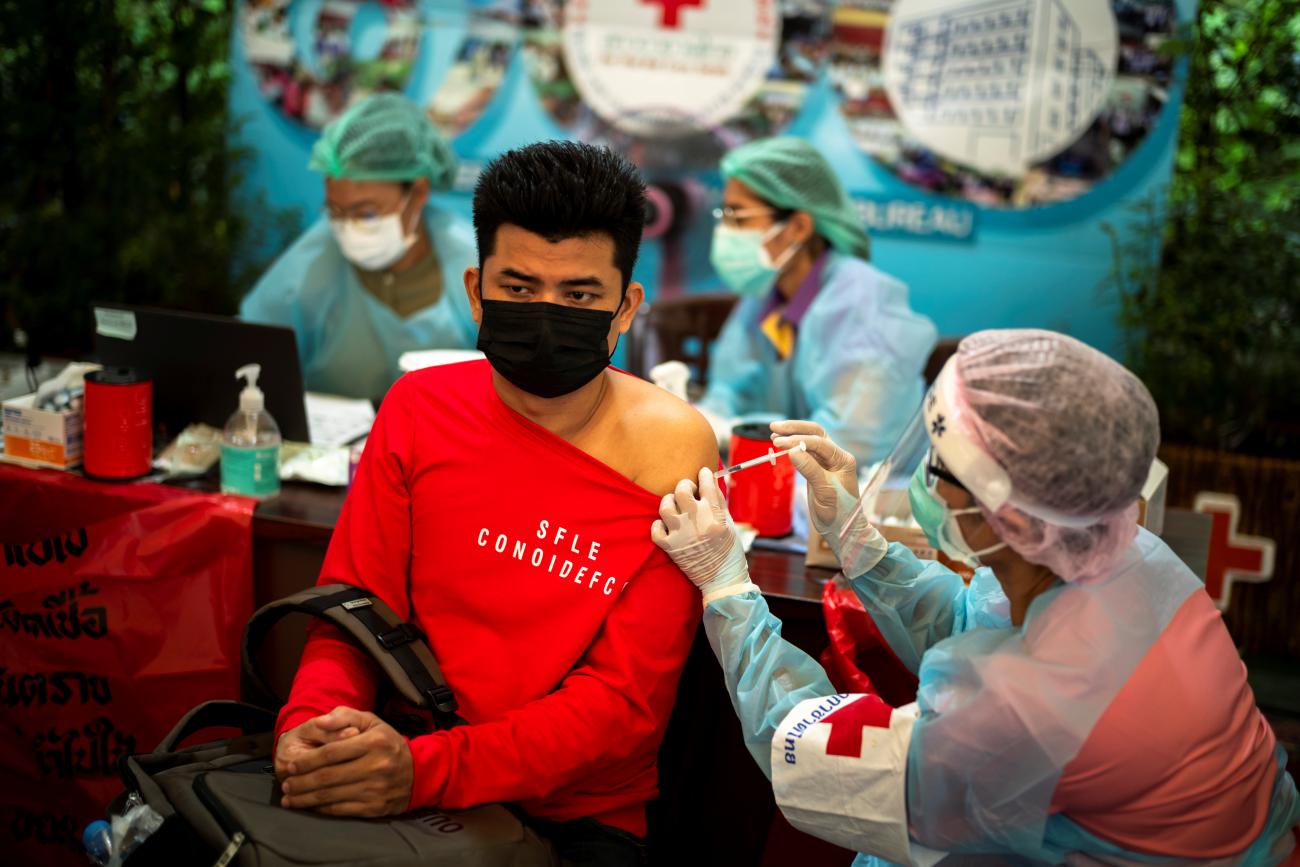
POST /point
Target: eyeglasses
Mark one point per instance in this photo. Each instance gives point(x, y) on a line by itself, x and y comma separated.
point(734, 216)
point(367, 213)
point(934, 471)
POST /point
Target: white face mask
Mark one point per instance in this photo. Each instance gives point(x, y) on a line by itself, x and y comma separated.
point(939, 521)
point(778, 264)
point(376, 243)
point(741, 259)
point(953, 542)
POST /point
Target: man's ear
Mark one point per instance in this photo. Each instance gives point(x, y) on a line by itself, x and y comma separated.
point(472, 278)
point(632, 300)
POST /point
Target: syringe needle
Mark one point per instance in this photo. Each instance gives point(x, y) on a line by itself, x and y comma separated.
point(769, 458)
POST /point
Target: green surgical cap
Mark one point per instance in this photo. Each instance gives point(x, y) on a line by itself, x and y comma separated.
point(790, 173)
point(384, 137)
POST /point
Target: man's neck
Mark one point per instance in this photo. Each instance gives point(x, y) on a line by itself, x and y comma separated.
point(565, 416)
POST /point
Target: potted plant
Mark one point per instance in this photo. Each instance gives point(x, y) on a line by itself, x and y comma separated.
point(1209, 289)
point(121, 169)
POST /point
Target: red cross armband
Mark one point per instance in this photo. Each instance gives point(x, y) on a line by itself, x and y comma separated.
point(839, 772)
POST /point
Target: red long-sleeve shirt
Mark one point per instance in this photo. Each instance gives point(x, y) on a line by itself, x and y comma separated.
point(558, 624)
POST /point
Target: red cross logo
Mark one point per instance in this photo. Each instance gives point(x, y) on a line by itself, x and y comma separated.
point(671, 10)
point(847, 724)
point(1232, 557)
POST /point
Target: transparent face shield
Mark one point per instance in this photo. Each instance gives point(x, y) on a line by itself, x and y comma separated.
point(885, 493)
point(940, 425)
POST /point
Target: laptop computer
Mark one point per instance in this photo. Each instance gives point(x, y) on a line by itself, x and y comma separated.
point(192, 359)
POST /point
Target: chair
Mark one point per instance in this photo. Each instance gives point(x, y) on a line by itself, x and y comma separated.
point(678, 329)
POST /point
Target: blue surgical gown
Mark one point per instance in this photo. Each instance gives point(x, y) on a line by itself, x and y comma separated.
point(348, 340)
point(856, 368)
point(1003, 709)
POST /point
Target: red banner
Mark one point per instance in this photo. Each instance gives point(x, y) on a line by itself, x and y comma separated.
point(121, 607)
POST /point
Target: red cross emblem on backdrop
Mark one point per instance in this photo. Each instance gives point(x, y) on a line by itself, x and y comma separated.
point(1232, 556)
point(848, 722)
point(670, 10)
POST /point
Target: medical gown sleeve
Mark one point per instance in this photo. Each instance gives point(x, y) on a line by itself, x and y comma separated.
point(914, 603)
point(738, 375)
point(766, 675)
point(863, 350)
point(276, 298)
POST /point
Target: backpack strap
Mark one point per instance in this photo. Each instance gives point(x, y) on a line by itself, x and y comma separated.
point(397, 647)
point(218, 713)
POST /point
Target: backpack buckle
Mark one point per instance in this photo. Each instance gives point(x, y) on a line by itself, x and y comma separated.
point(442, 698)
point(398, 636)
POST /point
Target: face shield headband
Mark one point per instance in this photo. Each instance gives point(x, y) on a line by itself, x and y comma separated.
point(955, 438)
point(944, 424)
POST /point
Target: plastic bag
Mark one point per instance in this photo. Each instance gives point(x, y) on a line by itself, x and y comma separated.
point(858, 660)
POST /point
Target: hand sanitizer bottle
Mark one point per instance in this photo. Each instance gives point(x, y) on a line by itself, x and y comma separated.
point(250, 444)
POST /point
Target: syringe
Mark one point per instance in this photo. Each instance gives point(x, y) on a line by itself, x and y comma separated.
point(769, 458)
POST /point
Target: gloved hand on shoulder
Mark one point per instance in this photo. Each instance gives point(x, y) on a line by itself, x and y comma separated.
point(697, 533)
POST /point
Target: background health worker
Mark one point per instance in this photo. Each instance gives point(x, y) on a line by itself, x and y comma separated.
point(1081, 697)
point(380, 273)
point(819, 333)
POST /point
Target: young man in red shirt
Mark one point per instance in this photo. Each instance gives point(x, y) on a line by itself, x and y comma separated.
point(502, 505)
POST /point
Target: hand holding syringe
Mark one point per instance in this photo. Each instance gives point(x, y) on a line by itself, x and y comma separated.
point(769, 458)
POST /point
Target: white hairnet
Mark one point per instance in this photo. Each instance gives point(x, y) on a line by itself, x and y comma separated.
point(1075, 432)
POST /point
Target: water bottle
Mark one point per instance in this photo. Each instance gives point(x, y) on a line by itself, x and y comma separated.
point(97, 840)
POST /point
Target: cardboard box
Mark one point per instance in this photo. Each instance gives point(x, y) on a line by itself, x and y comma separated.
point(40, 438)
point(893, 504)
point(1151, 506)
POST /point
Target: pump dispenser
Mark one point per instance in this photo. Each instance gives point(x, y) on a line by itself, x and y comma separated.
point(250, 443)
point(251, 398)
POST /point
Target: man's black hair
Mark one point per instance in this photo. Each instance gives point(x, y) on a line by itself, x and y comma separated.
point(560, 190)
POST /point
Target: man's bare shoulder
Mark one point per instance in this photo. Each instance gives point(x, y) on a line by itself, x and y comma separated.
point(667, 438)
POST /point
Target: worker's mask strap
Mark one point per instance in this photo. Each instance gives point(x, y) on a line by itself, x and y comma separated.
point(765, 258)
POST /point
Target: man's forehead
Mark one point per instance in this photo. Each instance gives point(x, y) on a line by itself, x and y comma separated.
point(520, 249)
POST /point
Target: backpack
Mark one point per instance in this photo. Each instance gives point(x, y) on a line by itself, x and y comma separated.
point(219, 801)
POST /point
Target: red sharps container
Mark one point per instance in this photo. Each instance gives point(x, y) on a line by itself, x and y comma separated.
point(761, 496)
point(118, 426)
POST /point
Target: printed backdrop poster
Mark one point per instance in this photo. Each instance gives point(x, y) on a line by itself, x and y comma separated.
point(988, 143)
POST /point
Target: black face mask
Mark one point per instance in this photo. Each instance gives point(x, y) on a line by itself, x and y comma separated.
point(545, 349)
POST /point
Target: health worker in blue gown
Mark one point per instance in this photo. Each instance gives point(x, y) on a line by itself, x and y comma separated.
point(1080, 700)
point(819, 332)
point(380, 273)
